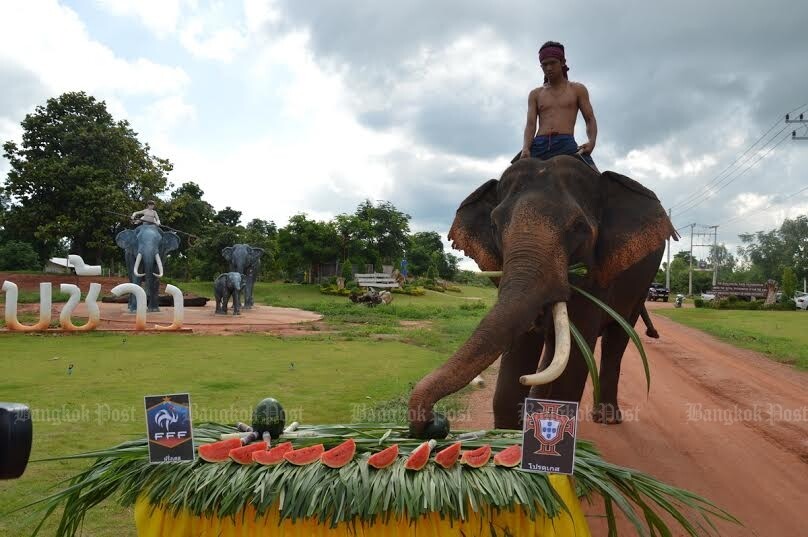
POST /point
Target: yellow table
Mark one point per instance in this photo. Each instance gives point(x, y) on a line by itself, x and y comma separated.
point(158, 522)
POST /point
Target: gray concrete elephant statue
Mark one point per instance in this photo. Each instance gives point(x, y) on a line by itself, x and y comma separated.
point(146, 248)
point(245, 259)
point(540, 218)
point(229, 284)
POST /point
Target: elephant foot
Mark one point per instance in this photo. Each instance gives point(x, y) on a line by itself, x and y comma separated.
point(151, 310)
point(607, 413)
point(651, 332)
point(236, 313)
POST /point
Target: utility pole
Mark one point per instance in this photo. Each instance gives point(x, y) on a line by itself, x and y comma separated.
point(715, 255)
point(668, 267)
point(801, 121)
point(690, 271)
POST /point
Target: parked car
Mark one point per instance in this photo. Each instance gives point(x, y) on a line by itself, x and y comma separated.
point(657, 291)
point(707, 297)
point(801, 299)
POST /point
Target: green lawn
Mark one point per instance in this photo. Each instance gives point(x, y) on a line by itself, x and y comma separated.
point(783, 335)
point(346, 373)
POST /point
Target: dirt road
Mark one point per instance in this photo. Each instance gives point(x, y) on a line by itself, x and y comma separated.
point(728, 424)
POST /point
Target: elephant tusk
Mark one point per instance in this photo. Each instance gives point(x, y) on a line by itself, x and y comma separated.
point(159, 266)
point(137, 265)
point(561, 354)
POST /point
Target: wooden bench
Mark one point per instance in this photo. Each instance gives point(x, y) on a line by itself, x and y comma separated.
point(377, 279)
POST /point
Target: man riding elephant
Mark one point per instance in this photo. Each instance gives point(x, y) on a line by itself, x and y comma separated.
point(556, 105)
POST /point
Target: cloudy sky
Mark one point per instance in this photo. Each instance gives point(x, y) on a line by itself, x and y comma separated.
point(284, 106)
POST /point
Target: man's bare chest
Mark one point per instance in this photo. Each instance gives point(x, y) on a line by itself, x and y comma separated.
point(549, 100)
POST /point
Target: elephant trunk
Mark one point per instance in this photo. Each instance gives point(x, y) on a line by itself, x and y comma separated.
point(534, 277)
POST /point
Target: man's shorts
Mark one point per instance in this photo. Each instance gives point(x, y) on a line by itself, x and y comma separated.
point(546, 146)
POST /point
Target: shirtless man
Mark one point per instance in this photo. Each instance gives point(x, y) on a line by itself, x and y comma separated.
point(556, 105)
point(147, 215)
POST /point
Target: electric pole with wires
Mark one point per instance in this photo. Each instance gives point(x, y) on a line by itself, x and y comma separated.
point(801, 121)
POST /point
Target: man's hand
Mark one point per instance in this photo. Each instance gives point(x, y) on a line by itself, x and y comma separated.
point(586, 148)
point(525, 154)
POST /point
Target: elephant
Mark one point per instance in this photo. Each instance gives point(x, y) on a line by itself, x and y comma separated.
point(146, 247)
point(245, 259)
point(537, 220)
point(226, 285)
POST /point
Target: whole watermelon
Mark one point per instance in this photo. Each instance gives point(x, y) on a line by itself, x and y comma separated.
point(269, 416)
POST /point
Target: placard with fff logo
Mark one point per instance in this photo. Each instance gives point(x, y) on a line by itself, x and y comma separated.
point(168, 425)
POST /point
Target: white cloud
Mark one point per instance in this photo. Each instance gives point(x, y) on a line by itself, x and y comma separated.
point(160, 16)
point(221, 44)
point(58, 49)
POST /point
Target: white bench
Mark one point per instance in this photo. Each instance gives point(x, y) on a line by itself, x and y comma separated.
point(377, 279)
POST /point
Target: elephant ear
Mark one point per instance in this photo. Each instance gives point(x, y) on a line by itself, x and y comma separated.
point(169, 242)
point(633, 224)
point(227, 253)
point(126, 238)
point(255, 254)
point(471, 230)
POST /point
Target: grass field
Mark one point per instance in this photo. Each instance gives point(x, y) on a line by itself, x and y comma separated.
point(346, 373)
point(783, 335)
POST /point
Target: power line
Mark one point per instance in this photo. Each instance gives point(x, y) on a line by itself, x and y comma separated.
point(733, 179)
point(706, 187)
point(770, 205)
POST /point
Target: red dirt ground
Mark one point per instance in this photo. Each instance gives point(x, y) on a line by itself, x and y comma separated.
point(728, 424)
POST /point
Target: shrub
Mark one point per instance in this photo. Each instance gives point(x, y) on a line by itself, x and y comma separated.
point(16, 255)
point(698, 302)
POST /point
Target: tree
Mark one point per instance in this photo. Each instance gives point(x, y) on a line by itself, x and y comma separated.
point(187, 212)
point(16, 255)
point(382, 231)
point(228, 217)
point(788, 284)
point(773, 251)
point(75, 168)
point(425, 248)
point(303, 244)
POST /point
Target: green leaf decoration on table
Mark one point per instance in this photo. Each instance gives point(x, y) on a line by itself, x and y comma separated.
point(358, 491)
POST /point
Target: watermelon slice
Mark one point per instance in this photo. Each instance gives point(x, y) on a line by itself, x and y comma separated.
point(306, 455)
point(448, 456)
point(509, 457)
point(476, 457)
point(273, 456)
point(218, 451)
point(384, 458)
point(340, 455)
point(419, 456)
point(243, 455)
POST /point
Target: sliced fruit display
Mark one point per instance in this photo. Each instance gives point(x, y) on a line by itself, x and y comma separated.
point(243, 455)
point(306, 455)
point(340, 455)
point(419, 456)
point(272, 456)
point(384, 458)
point(218, 451)
point(476, 457)
point(448, 456)
point(509, 457)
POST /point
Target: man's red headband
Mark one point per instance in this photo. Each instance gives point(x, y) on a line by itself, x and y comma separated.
point(551, 52)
